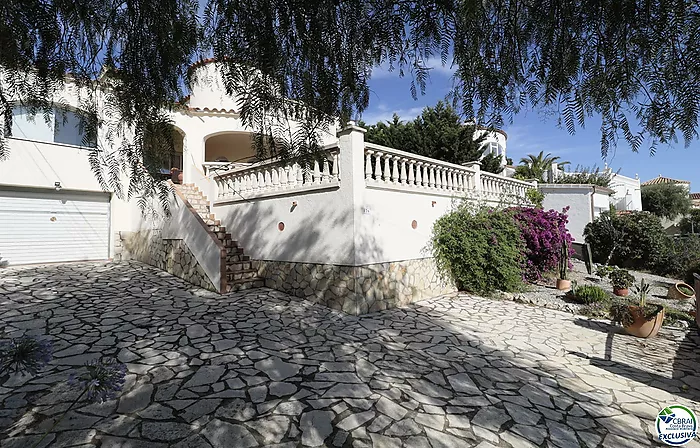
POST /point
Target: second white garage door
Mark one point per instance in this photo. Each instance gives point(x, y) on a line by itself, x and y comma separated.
point(46, 226)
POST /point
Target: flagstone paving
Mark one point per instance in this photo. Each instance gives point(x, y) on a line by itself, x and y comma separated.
point(262, 369)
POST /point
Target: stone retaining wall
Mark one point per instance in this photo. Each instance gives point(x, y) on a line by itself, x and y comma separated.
point(170, 255)
point(357, 289)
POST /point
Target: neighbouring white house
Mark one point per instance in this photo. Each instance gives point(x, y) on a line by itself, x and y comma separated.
point(586, 202)
point(495, 142)
point(349, 230)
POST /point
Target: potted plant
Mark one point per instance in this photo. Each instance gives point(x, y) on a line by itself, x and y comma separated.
point(621, 280)
point(642, 320)
point(563, 283)
point(680, 291)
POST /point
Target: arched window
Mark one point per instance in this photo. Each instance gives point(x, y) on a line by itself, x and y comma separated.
point(65, 126)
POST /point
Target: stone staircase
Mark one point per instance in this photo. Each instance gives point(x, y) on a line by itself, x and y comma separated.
point(241, 271)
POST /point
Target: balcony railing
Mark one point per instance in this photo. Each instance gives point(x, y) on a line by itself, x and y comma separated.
point(394, 169)
point(494, 186)
point(274, 178)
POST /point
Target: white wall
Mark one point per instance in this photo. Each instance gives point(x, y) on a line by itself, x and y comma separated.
point(352, 224)
point(577, 198)
point(208, 93)
point(628, 194)
point(497, 136)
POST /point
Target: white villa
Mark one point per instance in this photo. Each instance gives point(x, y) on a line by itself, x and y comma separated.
point(349, 232)
point(587, 202)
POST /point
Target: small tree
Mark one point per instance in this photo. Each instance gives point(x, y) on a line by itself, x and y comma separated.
point(534, 166)
point(691, 222)
point(438, 132)
point(666, 200)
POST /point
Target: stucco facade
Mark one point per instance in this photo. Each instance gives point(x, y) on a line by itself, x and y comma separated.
point(585, 203)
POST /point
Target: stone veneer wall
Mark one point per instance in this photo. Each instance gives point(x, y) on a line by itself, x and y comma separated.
point(357, 289)
point(172, 256)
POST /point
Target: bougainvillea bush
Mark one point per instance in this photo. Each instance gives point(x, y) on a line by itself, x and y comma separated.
point(544, 232)
point(480, 249)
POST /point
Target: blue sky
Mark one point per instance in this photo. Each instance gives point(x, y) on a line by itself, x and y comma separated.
point(531, 132)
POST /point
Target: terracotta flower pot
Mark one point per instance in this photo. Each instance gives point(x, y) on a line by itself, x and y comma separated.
point(563, 285)
point(676, 293)
point(643, 328)
point(622, 292)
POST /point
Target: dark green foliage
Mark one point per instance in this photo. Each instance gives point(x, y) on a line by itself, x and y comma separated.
point(666, 200)
point(621, 279)
point(634, 65)
point(691, 222)
point(589, 294)
point(438, 132)
point(685, 289)
point(585, 175)
point(672, 315)
point(629, 239)
point(691, 268)
point(534, 166)
point(681, 255)
point(481, 250)
point(620, 311)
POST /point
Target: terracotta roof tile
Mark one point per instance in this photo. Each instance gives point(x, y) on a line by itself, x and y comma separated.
point(694, 195)
point(664, 180)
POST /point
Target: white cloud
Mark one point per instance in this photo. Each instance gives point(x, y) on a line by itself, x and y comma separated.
point(434, 63)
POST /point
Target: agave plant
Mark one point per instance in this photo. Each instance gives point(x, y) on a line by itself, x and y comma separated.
point(643, 291)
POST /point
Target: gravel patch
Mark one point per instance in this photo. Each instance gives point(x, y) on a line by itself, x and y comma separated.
point(547, 296)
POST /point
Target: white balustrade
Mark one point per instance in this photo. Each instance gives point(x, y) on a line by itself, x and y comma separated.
point(398, 169)
point(496, 186)
point(394, 169)
point(272, 178)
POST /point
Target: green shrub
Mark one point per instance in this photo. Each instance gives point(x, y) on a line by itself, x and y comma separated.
point(588, 294)
point(691, 222)
point(480, 249)
point(586, 175)
point(535, 196)
point(681, 257)
point(621, 278)
point(630, 239)
point(666, 200)
point(672, 315)
point(692, 268)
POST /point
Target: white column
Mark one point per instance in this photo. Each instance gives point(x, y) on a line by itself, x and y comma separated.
point(351, 141)
point(476, 167)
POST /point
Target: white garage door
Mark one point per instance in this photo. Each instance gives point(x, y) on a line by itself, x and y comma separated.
point(45, 226)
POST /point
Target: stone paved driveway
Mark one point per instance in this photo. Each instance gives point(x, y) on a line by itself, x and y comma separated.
point(258, 369)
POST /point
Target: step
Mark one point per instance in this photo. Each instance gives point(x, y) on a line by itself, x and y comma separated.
point(212, 222)
point(236, 258)
point(223, 235)
point(217, 229)
point(234, 251)
point(239, 266)
point(229, 243)
point(245, 284)
point(241, 275)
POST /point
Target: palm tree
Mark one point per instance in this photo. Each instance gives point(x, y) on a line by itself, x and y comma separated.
point(534, 166)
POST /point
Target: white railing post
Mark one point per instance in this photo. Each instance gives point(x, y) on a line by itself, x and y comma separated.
point(351, 141)
point(476, 168)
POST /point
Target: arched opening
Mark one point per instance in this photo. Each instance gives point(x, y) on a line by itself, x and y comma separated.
point(171, 167)
point(230, 147)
